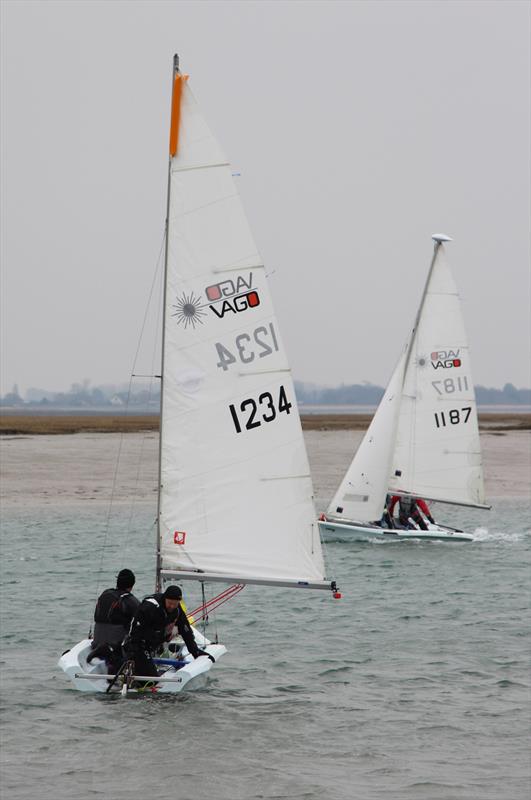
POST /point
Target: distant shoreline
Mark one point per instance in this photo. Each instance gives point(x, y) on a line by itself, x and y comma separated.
point(42, 425)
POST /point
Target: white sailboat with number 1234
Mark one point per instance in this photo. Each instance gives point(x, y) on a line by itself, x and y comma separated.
point(235, 492)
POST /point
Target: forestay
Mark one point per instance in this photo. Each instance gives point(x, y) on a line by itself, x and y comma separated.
point(236, 494)
point(437, 451)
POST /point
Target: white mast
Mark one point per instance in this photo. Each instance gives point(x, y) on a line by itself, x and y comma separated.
point(174, 132)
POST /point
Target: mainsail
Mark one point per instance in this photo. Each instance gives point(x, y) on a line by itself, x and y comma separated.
point(236, 496)
point(424, 437)
point(437, 452)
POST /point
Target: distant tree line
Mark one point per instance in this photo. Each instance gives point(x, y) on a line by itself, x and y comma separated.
point(366, 394)
point(358, 394)
point(82, 395)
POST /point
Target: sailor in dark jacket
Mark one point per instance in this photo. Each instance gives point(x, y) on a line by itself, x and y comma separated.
point(153, 625)
point(114, 611)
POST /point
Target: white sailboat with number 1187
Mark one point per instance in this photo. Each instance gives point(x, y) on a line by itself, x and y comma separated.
point(423, 441)
point(235, 492)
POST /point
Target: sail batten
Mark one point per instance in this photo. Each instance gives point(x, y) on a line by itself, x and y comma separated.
point(286, 477)
point(238, 269)
point(264, 372)
point(201, 166)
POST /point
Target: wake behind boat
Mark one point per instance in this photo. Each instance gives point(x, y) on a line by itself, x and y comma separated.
point(423, 441)
point(235, 496)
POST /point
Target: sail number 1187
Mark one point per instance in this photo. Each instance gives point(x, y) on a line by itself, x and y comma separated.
point(453, 417)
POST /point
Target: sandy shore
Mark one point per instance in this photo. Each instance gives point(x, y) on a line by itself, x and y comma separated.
point(43, 424)
point(506, 460)
point(80, 468)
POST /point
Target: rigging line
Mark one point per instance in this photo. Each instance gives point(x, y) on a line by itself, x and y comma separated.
point(113, 489)
point(330, 560)
point(222, 596)
point(118, 458)
point(126, 532)
point(144, 436)
point(153, 282)
point(205, 615)
point(213, 604)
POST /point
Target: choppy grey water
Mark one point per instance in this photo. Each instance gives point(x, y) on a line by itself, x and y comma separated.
point(414, 685)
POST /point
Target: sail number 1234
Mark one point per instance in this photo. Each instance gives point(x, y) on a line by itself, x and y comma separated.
point(252, 413)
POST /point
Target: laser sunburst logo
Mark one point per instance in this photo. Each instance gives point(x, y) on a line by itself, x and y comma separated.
point(188, 310)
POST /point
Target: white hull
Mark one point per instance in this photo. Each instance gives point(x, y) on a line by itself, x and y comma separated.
point(74, 665)
point(364, 531)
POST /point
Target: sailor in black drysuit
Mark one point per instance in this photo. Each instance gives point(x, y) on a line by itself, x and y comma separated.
point(114, 612)
point(153, 625)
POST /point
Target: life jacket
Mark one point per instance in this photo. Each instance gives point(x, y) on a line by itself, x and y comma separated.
point(407, 505)
point(109, 608)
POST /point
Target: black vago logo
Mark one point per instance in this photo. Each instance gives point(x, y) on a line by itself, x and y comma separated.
point(232, 296)
point(445, 359)
point(226, 297)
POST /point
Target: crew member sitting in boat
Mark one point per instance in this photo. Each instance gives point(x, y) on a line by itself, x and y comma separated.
point(386, 520)
point(153, 625)
point(114, 612)
point(409, 512)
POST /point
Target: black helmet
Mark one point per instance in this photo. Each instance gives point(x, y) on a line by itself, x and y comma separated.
point(173, 593)
point(125, 579)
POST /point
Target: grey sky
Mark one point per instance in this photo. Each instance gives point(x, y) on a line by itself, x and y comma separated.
point(359, 128)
